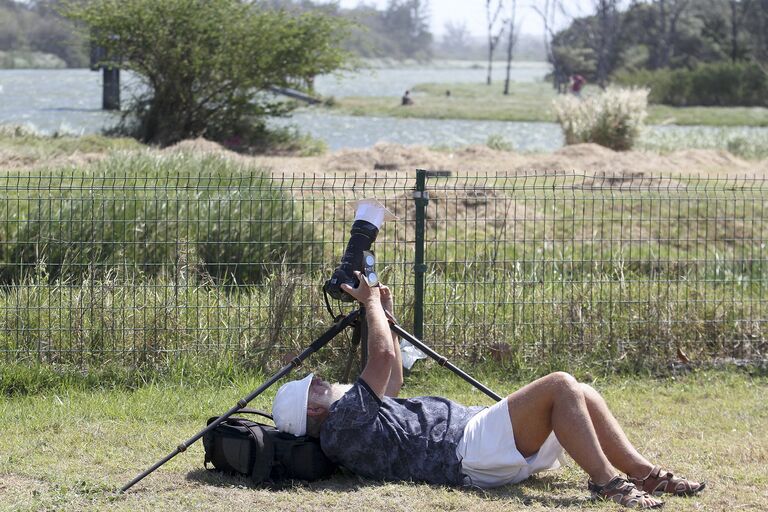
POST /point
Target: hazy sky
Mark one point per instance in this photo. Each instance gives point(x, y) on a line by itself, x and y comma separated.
point(472, 12)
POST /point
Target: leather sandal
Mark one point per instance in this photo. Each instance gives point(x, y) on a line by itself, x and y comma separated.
point(660, 482)
point(624, 493)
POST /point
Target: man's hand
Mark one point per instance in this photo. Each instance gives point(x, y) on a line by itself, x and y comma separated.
point(387, 300)
point(364, 293)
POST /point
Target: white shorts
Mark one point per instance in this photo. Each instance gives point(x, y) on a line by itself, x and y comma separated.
point(488, 453)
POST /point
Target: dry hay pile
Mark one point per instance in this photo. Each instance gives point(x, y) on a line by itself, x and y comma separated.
point(582, 159)
point(196, 146)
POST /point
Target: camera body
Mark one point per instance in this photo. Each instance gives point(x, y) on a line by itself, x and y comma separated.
point(358, 257)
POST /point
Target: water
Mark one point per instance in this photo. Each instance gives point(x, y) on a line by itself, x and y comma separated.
point(47, 101)
point(395, 81)
point(360, 132)
point(69, 101)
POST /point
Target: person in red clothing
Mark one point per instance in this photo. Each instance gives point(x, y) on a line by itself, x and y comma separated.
point(577, 83)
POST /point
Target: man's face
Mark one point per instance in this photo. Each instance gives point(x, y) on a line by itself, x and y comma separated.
point(320, 393)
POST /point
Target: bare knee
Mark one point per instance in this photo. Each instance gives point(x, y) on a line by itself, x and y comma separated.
point(564, 381)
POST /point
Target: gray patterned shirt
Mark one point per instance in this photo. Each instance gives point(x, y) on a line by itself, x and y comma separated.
point(396, 439)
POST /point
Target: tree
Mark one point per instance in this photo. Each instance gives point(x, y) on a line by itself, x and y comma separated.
point(207, 64)
point(605, 37)
point(457, 39)
point(513, 35)
point(548, 14)
point(757, 24)
point(668, 13)
point(408, 23)
point(738, 10)
point(493, 9)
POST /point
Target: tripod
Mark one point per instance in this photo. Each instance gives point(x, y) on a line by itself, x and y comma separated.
point(354, 318)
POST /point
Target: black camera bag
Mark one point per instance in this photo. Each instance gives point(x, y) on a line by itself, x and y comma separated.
point(263, 453)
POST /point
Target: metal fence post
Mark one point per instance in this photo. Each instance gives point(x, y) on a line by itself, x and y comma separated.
point(421, 198)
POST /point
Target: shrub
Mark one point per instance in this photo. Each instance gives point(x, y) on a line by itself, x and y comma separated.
point(153, 216)
point(715, 84)
point(612, 118)
point(499, 143)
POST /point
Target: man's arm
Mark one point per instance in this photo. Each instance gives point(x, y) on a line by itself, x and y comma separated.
point(396, 375)
point(381, 353)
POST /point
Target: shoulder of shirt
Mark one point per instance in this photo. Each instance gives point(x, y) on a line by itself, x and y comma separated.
point(364, 385)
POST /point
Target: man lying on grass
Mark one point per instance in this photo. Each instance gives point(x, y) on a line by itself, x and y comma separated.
point(369, 431)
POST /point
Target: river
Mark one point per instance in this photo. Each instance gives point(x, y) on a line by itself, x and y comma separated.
point(69, 101)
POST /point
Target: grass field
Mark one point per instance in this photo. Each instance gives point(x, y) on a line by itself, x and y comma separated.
point(29, 147)
point(527, 102)
point(72, 448)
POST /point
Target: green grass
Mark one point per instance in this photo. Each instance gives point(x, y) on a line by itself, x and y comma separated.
point(28, 146)
point(708, 116)
point(735, 140)
point(73, 449)
point(526, 102)
point(528, 324)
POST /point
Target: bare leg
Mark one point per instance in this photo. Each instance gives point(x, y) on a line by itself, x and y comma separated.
point(556, 402)
point(612, 439)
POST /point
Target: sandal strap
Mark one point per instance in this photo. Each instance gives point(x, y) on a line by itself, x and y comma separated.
point(661, 481)
point(624, 493)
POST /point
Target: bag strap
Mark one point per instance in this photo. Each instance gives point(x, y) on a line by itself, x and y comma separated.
point(268, 454)
point(256, 411)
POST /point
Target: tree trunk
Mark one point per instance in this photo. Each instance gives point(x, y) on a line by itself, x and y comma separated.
point(490, 64)
point(510, 45)
point(734, 32)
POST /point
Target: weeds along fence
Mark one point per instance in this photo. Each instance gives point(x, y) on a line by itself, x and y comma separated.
point(142, 260)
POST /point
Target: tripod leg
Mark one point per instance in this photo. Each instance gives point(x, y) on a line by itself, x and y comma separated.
point(441, 360)
point(359, 333)
point(353, 344)
point(285, 370)
point(363, 339)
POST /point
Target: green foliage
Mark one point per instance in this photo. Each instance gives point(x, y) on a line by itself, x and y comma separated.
point(499, 143)
point(673, 34)
point(716, 84)
point(78, 222)
point(400, 31)
point(208, 66)
point(34, 35)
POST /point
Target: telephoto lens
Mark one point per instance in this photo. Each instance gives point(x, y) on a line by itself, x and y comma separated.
point(369, 216)
point(363, 235)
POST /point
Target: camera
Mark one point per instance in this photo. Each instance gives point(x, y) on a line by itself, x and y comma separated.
point(369, 216)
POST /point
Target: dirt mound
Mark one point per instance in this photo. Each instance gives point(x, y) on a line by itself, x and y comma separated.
point(628, 180)
point(198, 145)
point(708, 158)
point(12, 160)
point(385, 157)
point(585, 151)
point(609, 168)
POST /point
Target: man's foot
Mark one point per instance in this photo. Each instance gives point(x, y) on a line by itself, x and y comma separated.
point(624, 493)
point(660, 482)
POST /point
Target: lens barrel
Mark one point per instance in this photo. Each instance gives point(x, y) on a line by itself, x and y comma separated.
point(362, 236)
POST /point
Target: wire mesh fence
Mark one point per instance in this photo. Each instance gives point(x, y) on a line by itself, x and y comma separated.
point(547, 270)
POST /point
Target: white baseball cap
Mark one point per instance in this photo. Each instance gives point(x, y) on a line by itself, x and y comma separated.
point(289, 409)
